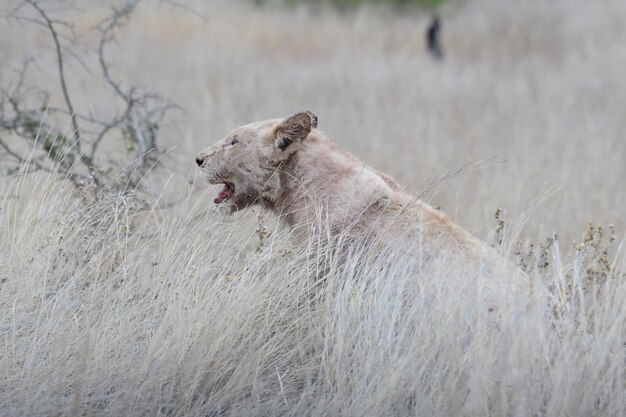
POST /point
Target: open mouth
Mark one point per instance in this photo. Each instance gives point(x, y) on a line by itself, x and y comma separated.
point(226, 192)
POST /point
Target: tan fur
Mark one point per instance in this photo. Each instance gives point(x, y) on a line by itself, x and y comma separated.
point(292, 169)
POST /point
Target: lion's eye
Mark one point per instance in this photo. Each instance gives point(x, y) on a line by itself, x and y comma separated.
point(232, 142)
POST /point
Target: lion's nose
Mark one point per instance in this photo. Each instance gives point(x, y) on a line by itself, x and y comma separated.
point(199, 161)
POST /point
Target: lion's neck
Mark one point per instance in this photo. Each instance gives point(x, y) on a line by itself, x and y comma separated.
point(304, 183)
point(287, 204)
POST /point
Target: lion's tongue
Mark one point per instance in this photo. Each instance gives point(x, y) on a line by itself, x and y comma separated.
point(224, 194)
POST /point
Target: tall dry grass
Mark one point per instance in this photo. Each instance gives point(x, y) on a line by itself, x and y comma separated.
point(114, 308)
point(118, 307)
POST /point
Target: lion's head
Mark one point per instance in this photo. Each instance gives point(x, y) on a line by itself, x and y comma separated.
point(246, 160)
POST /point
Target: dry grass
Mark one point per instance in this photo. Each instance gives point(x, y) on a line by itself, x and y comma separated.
point(116, 307)
point(113, 309)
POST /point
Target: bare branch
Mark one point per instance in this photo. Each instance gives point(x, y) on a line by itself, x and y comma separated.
point(57, 43)
point(106, 36)
point(20, 159)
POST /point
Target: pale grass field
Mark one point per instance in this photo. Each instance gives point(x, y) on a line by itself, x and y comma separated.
point(121, 308)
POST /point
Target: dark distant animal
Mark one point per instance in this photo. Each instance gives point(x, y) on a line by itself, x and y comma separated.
point(433, 38)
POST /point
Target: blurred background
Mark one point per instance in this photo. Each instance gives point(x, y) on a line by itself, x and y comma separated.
point(523, 102)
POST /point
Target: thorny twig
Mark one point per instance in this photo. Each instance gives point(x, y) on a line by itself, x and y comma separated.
point(59, 54)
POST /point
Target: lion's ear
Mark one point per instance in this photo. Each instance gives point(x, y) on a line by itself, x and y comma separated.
point(294, 128)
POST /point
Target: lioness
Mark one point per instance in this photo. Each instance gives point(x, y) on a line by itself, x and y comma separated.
point(292, 169)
